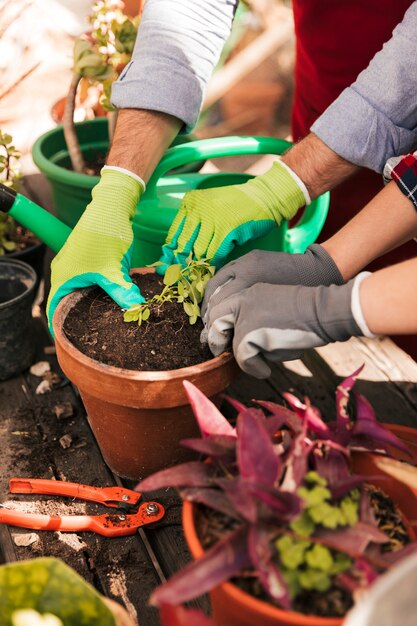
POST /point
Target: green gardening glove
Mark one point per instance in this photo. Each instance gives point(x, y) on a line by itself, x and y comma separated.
point(99, 249)
point(211, 222)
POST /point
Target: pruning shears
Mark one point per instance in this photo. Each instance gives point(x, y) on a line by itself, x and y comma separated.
point(118, 524)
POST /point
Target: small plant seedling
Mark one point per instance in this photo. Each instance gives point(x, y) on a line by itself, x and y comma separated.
point(9, 176)
point(184, 284)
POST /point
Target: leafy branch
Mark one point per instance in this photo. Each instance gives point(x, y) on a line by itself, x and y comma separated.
point(9, 176)
point(182, 284)
point(98, 57)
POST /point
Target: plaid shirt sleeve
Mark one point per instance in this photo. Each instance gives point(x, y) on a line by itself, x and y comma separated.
point(403, 170)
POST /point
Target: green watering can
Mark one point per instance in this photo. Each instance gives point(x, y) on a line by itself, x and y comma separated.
point(162, 199)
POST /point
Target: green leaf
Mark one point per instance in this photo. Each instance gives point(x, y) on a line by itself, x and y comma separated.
point(172, 275)
point(193, 319)
point(194, 294)
point(320, 558)
point(131, 315)
point(303, 525)
point(291, 578)
point(349, 511)
point(189, 308)
point(291, 551)
point(314, 496)
point(146, 313)
point(6, 139)
point(314, 579)
point(9, 246)
point(314, 477)
point(49, 586)
point(341, 562)
point(326, 514)
point(81, 46)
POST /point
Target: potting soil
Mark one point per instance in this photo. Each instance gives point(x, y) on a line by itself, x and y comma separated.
point(166, 341)
point(336, 601)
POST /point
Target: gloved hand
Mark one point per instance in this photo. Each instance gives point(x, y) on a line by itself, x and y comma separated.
point(314, 267)
point(278, 322)
point(210, 222)
point(99, 249)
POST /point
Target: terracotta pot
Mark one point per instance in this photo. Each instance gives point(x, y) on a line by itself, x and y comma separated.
point(138, 418)
point(233, 607)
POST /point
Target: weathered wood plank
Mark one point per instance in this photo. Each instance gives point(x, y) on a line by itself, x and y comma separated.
point(388, 379)
point(120, 568)
point(125, 569)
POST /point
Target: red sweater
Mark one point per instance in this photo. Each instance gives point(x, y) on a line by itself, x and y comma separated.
point(336, 39)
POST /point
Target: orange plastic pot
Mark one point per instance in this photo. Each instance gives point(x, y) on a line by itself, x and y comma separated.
point(233, 607)
point(138, 418)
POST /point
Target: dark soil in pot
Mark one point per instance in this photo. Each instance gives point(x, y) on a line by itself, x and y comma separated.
point(166, 341)
point(336, 601)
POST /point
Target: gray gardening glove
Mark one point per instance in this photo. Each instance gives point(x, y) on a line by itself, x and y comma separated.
point(279, 322)
point(314, 267)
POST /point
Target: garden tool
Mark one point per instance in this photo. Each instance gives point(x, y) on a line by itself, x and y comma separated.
point(118, 524)
point(161, 201)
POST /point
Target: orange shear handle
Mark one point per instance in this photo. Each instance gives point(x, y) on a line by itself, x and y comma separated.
point(110, 496)
point(114, 525)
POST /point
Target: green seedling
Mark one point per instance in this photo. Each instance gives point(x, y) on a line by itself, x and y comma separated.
point(183, 284)
point(9, 176)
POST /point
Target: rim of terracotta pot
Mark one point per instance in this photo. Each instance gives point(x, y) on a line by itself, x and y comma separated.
point(107, 377)
point(268, 610)
point(69, 301)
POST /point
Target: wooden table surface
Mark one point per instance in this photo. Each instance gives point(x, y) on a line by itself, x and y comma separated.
point(128, 569)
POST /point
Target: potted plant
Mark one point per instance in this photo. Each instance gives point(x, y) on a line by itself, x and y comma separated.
point(130, 374)
point(46, 592)
point(71, 155)
point(16, 242)
point(284, 507)
point(100, 56)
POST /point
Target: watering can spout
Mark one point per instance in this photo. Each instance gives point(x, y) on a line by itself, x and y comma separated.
point(47, 227)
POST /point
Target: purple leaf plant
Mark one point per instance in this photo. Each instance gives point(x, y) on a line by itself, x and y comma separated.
point(297, 516)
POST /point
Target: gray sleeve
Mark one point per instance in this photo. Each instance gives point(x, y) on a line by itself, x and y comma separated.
point(178, 44)
point(376, 117)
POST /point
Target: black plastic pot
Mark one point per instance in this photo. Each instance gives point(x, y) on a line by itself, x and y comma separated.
point(17, 285)
point(34, 256)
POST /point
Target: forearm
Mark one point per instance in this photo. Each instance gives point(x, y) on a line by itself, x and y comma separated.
point(140, 140)
point(319, 167)
point(389, 299)
point(178, 44)
point(388, 221)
